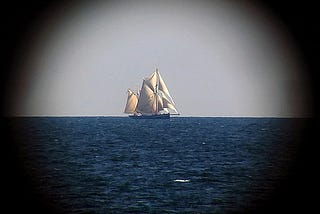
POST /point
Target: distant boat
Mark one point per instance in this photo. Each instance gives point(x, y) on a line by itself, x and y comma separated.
point(152, 101)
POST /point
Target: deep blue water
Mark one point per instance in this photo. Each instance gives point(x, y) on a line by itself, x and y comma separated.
point(121, 165)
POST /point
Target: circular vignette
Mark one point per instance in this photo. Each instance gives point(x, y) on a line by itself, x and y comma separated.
point(26, 21)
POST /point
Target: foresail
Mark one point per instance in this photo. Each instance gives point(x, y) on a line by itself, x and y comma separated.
point(167, 105)
point(164, 89)
point(132, 101)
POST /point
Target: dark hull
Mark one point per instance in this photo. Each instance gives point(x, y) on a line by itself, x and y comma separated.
point(155, 116)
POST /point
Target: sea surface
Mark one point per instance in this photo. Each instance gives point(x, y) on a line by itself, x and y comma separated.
point(180, 165)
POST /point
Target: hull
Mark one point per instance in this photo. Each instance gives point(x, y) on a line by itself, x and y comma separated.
point(155, 116)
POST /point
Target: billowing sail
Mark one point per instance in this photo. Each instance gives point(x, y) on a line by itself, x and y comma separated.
point(147, 99)
point(132, 101)
point(154, 97)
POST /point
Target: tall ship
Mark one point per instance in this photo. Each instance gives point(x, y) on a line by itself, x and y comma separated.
point(152, 101)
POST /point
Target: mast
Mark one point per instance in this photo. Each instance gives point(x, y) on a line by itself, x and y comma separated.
point(156, 91)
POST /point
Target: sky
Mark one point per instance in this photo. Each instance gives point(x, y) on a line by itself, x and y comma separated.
point(218, 58)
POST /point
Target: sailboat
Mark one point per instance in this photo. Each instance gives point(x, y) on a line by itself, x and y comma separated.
point(152, 101)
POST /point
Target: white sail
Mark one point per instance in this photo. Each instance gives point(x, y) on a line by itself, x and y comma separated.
point(154, 97)
point(147, 99)
point(132, 101)
point(160, 103)
point(164, 89)
point(152, 81)
point(168, 105)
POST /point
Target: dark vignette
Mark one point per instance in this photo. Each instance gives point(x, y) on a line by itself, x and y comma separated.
point(19, 18)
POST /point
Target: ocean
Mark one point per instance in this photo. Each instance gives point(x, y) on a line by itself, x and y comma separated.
point(180, 165)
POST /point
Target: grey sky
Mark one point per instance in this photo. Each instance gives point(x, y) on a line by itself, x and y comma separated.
point(217, 58)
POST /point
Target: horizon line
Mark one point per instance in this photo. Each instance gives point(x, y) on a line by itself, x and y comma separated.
point(182, 116)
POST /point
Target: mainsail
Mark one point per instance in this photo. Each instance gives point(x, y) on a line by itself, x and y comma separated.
point(147, 99)
point(154, 98)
